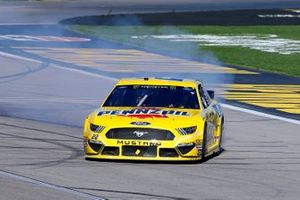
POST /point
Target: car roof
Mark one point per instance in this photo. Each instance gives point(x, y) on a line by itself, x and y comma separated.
point(159, 81)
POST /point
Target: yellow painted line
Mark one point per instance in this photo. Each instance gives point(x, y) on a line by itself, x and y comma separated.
point(125, 60)
point(285, 98)
point(292, 111)
point(274, 105)
point(263, 95)
point(204, 69)
point(263, 85)
point(256, 100)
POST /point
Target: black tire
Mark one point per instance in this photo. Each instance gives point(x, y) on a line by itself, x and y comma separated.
point(203, 151)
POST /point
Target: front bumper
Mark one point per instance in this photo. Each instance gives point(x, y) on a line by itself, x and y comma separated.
point(184, 149)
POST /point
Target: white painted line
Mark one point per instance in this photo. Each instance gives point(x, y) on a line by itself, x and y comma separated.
point(262, 42)
point(261, 114)
point(19, 57)
point(43, 38)
point(49, 185)
point(279, 16)
point(295, 10)
point(26, 23)
point(257, 113)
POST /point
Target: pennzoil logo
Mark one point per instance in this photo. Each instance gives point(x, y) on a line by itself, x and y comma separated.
point(144, 113)
point(139, 143)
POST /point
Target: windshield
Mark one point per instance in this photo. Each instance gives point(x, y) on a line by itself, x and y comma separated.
point(153, 96)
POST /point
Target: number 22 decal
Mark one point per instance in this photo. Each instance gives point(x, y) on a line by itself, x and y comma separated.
point(95, 136)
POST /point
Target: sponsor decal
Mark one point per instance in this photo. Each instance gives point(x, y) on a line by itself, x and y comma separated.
point(199, 149)
point(144, 113)
point(216, 138)
point(138, 143)
point(198, 142)
point(137, 152)
point(140, 123)
point(94, 136)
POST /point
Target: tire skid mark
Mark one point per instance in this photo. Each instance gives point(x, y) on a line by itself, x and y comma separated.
point(39, 130)
point(128, 192)
point(28, 70)
point(75, 152)
point(5, 147)
point(50, 185)
point(237, 180)
point(52, 163)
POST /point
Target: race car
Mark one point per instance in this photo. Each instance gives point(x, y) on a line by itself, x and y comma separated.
point(155, 119)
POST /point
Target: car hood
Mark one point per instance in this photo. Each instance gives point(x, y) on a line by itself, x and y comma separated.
point(154, 117)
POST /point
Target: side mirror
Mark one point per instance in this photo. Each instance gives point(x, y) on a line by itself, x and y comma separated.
point(211, 94)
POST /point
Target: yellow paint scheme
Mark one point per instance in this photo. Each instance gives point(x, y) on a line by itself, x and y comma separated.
point(169, 122)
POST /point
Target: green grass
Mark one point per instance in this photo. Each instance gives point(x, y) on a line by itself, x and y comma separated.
point(286, 64)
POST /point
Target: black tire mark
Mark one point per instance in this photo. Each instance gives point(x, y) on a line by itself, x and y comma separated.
point(128, 192)
point(75, 152)
point(17, 76)
point(50, 185)
point(40, 130)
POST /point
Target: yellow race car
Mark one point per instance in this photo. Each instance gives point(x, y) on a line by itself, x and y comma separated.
point(155, 119)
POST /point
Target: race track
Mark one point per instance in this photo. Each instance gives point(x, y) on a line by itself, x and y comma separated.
point(42, 108)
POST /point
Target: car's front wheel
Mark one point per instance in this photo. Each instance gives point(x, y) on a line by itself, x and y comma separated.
point(204, 138)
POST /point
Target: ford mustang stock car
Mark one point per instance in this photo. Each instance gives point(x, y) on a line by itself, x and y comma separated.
point(155, 119)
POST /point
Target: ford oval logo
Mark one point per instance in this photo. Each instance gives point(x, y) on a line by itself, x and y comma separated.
point(140, 123)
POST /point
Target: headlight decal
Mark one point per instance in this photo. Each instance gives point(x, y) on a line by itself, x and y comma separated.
point(96, 128)
point(187, 130)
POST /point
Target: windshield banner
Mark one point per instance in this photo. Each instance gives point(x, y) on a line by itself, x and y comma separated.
point(144, 113)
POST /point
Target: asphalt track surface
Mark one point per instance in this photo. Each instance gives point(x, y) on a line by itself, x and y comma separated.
point(44, 160)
